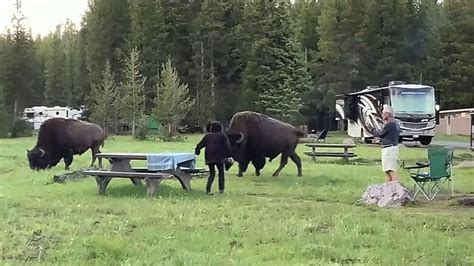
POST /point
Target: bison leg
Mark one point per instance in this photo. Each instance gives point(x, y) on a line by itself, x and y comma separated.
point(258, 163)
point(242, 168)
point(95, 149)
point(296, 159)
point(68, 159)
point(283, 162)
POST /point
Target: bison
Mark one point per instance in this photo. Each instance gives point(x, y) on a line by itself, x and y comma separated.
point(255, 137)
point(60, 138)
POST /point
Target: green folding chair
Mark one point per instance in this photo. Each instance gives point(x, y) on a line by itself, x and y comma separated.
point(431, 176)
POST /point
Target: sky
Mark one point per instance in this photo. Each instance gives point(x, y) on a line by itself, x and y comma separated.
point(42, 15)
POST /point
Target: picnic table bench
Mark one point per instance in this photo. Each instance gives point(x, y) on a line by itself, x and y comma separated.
point(180, 166)
point(345, 155)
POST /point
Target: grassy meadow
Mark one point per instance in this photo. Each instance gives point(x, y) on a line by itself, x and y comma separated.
point(288, 220)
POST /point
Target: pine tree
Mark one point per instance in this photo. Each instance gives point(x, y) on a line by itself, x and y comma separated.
point(227, 58)
point(5, 55)
point(276, 76)
point(70, 45)
point(148, 34)
point(38, 70)
point(306, 13)
point(451, 69)
point(179, 17)
point(3, 113)
point(260, 54)
point(132, 90)
point(104, 99)
point(82, 81)
point(430, 17)
point(383, 33)
point(172, 102)
point(54, 70)
point(107, 26)
point(206, 41)
point(337, 65)
point(21, 75)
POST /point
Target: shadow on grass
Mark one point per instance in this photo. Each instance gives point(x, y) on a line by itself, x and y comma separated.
point(289, 180)
point(163, 190)
point(355, 161)
point(318, 185)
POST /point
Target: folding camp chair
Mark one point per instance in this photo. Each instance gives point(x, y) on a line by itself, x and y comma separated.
point(322, 135)
point(439, 171)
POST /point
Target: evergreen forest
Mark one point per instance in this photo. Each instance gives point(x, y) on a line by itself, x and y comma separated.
point(287, 59)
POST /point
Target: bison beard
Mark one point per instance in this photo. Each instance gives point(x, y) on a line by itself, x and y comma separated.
point(255, 137)
point(61, 138)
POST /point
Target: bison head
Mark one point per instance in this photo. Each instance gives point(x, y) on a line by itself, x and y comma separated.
point(237, 145)
point(38, 159)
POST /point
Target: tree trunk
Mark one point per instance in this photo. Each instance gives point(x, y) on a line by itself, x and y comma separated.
point(15, 110)
point(213, 90)
point(306, 57)
point(133, 126)
point(201, 106)
point(202, 63)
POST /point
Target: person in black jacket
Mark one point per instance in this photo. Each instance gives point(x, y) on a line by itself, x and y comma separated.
point(216, 154)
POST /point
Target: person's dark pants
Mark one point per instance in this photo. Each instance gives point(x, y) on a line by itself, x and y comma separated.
point(212, 174)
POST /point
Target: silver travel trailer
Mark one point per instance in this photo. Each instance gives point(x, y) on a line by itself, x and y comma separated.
point(36, 115)
point(414, 105)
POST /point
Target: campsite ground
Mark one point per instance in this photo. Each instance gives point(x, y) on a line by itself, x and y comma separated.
point(286, 220)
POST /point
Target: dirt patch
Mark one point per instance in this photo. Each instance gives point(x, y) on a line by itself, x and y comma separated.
point(5, 171)
point(467, 164)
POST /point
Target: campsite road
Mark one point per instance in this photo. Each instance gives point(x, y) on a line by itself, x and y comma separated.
point(455, 144)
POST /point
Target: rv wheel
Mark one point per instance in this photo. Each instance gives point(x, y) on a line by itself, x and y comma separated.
point(425, 140)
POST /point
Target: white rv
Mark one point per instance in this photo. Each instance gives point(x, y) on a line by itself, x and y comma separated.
point(414, 105)
point(36, 115)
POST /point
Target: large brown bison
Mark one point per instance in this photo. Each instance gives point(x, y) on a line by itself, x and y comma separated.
point(255, 137)
point(60, 138)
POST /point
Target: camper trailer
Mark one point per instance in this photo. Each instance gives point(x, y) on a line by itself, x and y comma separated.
point(36, 115)
point(414, 105)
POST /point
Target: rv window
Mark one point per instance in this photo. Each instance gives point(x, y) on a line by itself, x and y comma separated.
point(57, 113)
point(413, 100)
point(40, 113)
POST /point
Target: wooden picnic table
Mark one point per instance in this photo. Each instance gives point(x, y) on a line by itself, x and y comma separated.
point(121, 167)
point(345, 155)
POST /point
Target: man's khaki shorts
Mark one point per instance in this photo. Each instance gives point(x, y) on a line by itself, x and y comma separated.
point(390, 158)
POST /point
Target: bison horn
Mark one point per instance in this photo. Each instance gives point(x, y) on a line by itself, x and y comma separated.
point(42, 152)
point(241, 138)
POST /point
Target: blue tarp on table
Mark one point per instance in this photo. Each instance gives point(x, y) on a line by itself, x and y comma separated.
point(169, 160)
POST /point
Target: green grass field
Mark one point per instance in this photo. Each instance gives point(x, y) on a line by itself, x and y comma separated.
point(264, 220)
